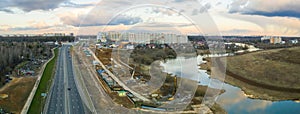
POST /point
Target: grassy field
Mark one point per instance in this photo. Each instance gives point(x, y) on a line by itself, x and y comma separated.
point(278, 67)
point(38, 101)
point(270, 74)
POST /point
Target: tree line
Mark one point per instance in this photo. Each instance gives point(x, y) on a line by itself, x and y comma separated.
point(15, 50)
point(38, 39)
point(14, 53)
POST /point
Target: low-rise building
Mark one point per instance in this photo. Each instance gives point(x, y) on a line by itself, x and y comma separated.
point(295, 41)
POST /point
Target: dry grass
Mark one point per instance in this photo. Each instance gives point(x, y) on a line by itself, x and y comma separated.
point(124, 101)
point(18, 91)
point(262, 93)
point(271, 74)
point(278, 68)
point(104, 55)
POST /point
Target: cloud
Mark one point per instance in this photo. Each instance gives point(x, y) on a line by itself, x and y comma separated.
point(238, 32)
point(32, 30)
point(6, 10)
point(202, 9)
point(126, 20)
point(75, 5)
point(105, 10)
point(218, 3)
point(5, 27)
point(178, 0)
point(31, 26)
point(153, 27)
point(23, 28)
point(270, 25)
point(205, 7)
point(93, 30)
point(178, 28)
point(95, 19)
point(163, 11)
point(286, 8)
point(26, 28)
point(29, 5)
point(277, 13)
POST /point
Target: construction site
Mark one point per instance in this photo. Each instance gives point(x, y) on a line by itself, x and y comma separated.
point(137, 77)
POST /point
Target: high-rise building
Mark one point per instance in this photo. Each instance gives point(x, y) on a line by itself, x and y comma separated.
point(271, 39)
point(142, 37)
point(275, 40)
point(101, 37)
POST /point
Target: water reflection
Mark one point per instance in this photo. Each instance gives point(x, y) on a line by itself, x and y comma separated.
point(234, 101)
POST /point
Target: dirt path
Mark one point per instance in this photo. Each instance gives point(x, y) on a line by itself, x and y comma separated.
point(14, 81)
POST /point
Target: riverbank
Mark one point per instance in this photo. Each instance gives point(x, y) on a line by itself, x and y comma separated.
point(269, 75)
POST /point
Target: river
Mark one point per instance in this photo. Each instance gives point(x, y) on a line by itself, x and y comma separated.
point(234, 101)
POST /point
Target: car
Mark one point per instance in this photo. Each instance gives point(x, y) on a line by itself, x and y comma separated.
point(69, 89)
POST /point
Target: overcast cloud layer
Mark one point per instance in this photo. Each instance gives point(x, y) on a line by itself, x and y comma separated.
point(96, 20)
point(29, 5)
point(288, 8)
point(258, 17)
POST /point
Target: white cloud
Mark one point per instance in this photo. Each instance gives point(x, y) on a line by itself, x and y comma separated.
point(97, 19)
point(241, 17)
point(271, 25)
point(289, 8)
point(29, 5)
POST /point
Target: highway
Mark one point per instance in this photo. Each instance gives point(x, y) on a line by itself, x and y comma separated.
point(64, 97)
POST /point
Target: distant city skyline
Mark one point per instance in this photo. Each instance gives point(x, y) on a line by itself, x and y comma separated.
point(231, 17)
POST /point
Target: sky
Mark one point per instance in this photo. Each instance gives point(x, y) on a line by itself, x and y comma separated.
point(210, 17)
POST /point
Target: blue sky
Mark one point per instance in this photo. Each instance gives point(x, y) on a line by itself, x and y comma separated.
point(230, 17)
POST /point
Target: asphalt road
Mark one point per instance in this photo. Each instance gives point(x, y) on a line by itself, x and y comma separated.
point(64, 97)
